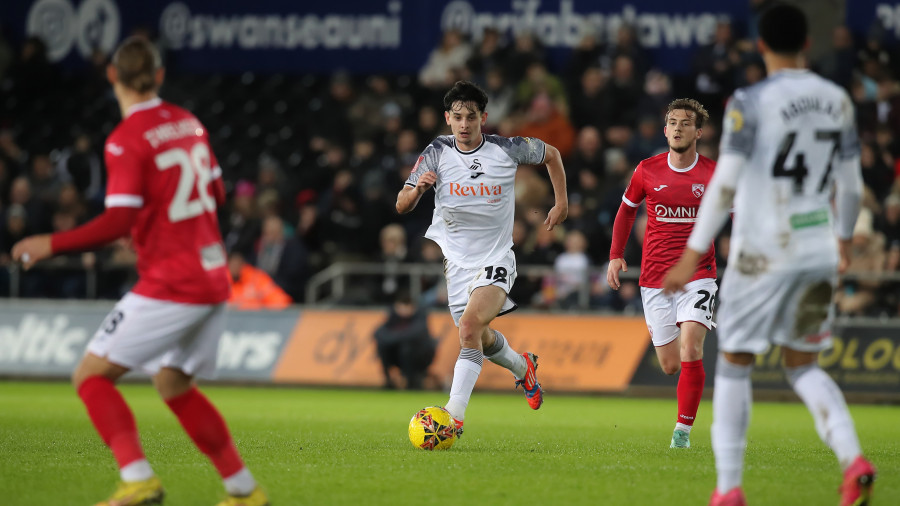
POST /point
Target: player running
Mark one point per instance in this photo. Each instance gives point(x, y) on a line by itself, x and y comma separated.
point(673, 184)
point(473, 176)
point(164, 185)
point(785, 142)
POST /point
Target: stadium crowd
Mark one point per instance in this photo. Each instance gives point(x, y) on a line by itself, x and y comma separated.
point(313, 164)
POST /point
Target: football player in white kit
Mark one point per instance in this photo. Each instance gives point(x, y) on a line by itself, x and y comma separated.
point(786, 141)
point(473, 176)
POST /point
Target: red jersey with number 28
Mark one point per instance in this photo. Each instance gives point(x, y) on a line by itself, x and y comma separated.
point(158, 160)
point(673, 199)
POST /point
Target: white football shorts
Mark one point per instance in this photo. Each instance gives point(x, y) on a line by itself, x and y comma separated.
point(665, 313)
point(147, 334)
point(791, 309)
point(461, 282)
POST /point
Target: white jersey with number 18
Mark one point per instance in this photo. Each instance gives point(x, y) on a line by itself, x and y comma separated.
point(795, 130)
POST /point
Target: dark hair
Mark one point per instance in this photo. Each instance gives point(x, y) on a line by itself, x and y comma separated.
point(689, 104)
point(136, 61)
point(783, 28)
point(468, 94)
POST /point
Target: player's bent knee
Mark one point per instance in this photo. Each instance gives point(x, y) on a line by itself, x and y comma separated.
point(670, 368)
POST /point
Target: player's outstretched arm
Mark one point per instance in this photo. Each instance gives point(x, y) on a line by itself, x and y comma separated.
point(560, 210)
point(114, 223)
point(409, 196)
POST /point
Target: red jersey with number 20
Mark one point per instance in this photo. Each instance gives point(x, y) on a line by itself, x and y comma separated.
point(158, 160)
point(673, 198)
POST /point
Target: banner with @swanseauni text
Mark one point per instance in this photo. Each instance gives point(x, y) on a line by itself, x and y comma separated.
point(381, 36)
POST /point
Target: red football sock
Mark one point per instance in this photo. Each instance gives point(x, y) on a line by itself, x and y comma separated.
point(690, 390)
point(206, 427)
point(112, 418)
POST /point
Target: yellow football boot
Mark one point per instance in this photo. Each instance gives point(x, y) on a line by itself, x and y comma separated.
point(136, 493)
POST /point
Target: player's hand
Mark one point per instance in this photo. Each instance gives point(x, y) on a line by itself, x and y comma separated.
point(557, 215)
point(612, 272)
point(32, 250)
point(844, 248)
point(426, 181)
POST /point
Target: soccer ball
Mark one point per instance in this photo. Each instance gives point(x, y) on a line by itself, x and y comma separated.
point(432, 429)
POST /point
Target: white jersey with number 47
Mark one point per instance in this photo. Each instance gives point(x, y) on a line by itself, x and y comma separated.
point(475, 197)
point(796, 131)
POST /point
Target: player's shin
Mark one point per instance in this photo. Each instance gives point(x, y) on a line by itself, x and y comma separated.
point(732, 396)
point(206, 427)
point(465, 374)
point(115, 423)
point(502, 354)
point(825, 401)
point(690, 392)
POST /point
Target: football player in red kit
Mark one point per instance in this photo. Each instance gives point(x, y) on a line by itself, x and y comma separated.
point(163, 188)
point(672, 183)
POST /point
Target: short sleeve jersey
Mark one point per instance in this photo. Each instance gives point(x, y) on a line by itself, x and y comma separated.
point(794, 128)
point(673, 198)
point(475, 195)
point(159, 161)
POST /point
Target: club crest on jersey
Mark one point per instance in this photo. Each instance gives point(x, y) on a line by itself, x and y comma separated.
point(476, 169)
point(697, 189)
point(416, 166)
point(115, 149)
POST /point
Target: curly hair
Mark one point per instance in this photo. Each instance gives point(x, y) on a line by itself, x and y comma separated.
point(689, 104)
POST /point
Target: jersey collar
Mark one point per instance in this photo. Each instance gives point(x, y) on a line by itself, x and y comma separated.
point(143, 106)
point(455, 145)
point(689, 167)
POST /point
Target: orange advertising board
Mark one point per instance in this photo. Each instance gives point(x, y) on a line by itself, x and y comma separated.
point(577, 353)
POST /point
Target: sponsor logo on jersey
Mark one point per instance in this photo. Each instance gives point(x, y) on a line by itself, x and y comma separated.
point(735, 120)
point(115, 149)
point(481, 190)
point(675, 214)
point(416, 166)
point(476, 168)
point(697, 189)
point(660, 187)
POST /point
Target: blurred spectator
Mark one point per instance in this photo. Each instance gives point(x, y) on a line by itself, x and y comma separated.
point(329, 114)
point(284, 258)
point(856, 296)
point(839, 63)
point(538, 81)
point(525, 51)
point(501, 98)
point(442, 68)
point(657, 95)
point(716, 67)
point(585, 54)
point(252, 288)
point(365, 113)
point(241, 227)
point(878, 176)
point(571, 270)
point(488, 56)
point(393, 255)
point(15, 221)
point(626, 45)
point(404, 341)
point(45, 181)
point(6, 55)
point(32, 210)
point(589, 105)
point(624, 93)
point(341, 218)
point(32, 74)
point(586, 157)
point(649, 140)
point(547, 123)
point(80, 165)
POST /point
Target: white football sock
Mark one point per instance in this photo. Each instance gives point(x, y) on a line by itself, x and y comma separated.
point(825, 401)
point(502, 354)
point(684, 428)
point(732, 396)
point(465, 374)
point(139, 470)
point(240, 483)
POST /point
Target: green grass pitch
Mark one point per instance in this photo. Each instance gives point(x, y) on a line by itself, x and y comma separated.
point(349, 447)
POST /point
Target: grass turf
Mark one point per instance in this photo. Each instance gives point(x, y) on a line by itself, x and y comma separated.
point(334, 447)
